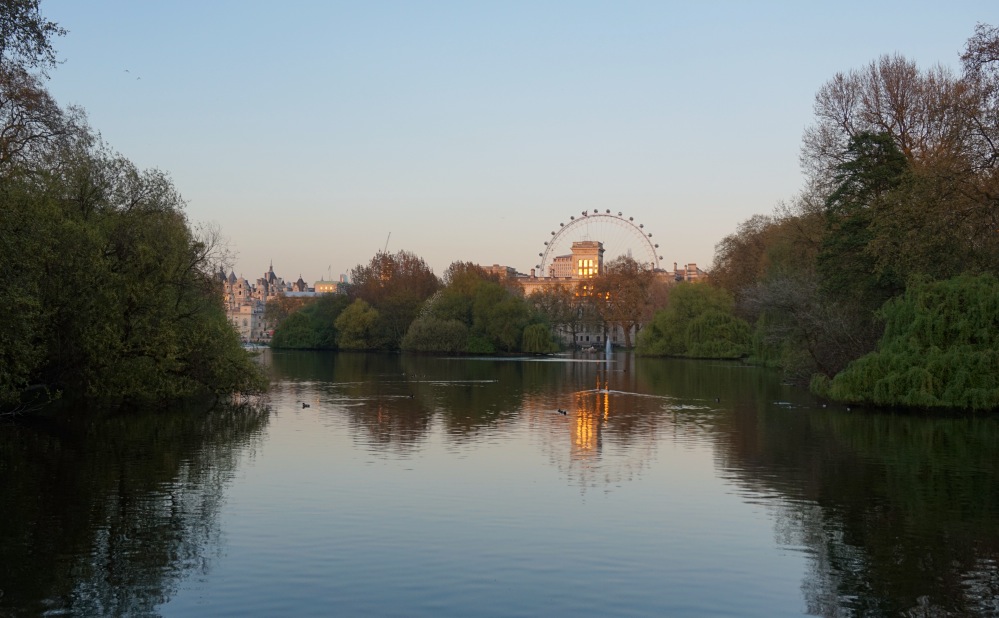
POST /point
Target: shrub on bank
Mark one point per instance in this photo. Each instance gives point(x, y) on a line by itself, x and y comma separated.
point(940, 349)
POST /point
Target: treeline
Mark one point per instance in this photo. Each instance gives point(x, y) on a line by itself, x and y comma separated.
point(877, 283)
point(395, 302)
point(108, 293)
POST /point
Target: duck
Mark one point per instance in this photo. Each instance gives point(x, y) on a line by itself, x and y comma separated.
point(305, 405)
point(561, 411)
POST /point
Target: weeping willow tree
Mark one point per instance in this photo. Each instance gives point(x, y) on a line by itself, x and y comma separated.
point(538, 340)
point(940, 349)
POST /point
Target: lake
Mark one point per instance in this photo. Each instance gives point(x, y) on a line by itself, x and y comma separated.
point(397, 485)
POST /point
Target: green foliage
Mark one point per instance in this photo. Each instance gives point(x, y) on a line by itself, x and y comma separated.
point(499, 316)
point(120, 301)
point(663, 336)
point(110, 294)
point(846, 263)
point(26, 41)
point(538, 340)
point(313, 327)
point(493, 317)
point(902, 176)
point(431, 334)
point(940, 349)
point(698, 323)
point(395, 286)
point(356, 327)
point(478, 344)
point(715, 334)
point(295, 332)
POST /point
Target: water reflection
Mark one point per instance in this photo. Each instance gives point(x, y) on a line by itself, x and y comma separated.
point(104, 516)
point(393, 402)
point(469, 461)
point(898, 513)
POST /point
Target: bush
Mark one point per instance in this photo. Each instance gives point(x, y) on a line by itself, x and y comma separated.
point(312, 327)
point(714, 334)
point(940, 349)
point(430, 334)
point(697, 323)
point(538, 340)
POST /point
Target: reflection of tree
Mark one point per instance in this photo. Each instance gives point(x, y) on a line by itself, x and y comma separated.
point(105, 516)
point(614, 420)
point(618, 409)
point(898, 514)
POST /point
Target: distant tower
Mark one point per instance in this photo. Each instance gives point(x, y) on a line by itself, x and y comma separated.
point(587, 258)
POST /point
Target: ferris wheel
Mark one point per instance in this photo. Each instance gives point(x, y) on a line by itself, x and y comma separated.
point(620, 235)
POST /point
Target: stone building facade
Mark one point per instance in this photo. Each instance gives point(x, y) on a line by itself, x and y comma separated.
point(245, 303)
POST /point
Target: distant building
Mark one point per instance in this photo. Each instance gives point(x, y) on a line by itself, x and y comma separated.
point(689, 272)
point(503, 272)
point(585, 261)
point(331, 287)
point(245, 303)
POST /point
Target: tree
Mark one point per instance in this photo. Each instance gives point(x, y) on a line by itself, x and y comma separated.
point(697, 322)
point(124, 304)
point(622, 294)
point(313, 326)
point(980, 61)
point(783, 244)
point(26, 36)
point(889, 96)
point(493, 315)
point(279, 308)
point(873, 167)
point(538, 340)
point(395, 286)
point(355, 327)
point(499, 316)
point(559, 307)
point(29, 117)
point(432, 334)
point(940, 350)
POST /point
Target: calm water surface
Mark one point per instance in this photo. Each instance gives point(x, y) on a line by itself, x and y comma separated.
point(386, 485)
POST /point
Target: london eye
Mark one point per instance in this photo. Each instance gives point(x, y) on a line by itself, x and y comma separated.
point(621, 236)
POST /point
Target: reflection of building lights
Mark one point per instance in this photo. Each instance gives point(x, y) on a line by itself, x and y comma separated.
point(586, 430)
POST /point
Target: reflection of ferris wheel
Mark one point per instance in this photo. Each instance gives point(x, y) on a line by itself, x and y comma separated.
point(620, 235)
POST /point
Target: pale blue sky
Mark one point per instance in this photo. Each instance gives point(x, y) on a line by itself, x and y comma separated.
point(311, 130)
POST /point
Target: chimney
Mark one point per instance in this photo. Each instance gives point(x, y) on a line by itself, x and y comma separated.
point(674, 266)
point(532, 273)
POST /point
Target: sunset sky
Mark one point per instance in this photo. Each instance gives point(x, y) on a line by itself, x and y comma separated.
point(310, 131)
